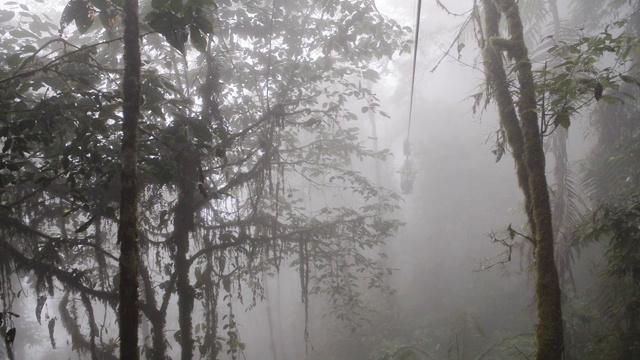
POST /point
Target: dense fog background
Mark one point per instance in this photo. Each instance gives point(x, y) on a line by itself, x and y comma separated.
point(448, 270)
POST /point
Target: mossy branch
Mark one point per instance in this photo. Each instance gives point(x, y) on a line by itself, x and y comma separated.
point(504, 45)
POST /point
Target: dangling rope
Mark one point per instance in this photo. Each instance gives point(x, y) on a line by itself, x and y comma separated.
point(407, 174)
point(415, 61)
point(273, 11)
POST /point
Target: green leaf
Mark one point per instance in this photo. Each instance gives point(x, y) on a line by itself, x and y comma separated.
point(52, 326)
point(226, 283)
point(197, 39)
point(460, 47)
point(14, 60)
point(102, 5)
point(170, 25)
point(86, 225)
point(203, 23)
point(41, 301)
point(80, 11)
point(563, 119)
point(84, 23)
point(10, 336)
point(629, 79)
point(611, 100)
point(22, 33)
point(28, 49)
point(371, 75)
point(156, 4)
point(176, 6)
point(6, 15)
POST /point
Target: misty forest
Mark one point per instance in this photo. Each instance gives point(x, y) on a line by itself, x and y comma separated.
point(320, 179)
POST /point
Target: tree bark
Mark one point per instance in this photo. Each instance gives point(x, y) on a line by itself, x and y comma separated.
point(499, 86)
point(156, 317)
point(549, 330)
point(127, 231)
point(211, 112)
point(183, 224)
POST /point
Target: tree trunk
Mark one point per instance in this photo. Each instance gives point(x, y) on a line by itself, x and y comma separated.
point(183, 225)
point(155, 316)
point(210, 305)
point(127, 231)
point(531, 164)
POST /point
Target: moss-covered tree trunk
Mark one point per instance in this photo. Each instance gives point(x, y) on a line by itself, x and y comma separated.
point(127, 231)
point(525, 140)
point(183, 225)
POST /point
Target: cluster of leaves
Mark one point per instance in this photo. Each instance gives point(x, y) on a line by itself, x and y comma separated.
point(604, 319)
point(580, 74)
point(604, 322)
point(267, 115)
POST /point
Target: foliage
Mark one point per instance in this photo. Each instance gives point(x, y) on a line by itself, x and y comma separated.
point(604, 320)
point(613, 316)
point(591, 14)
point(580, 74)
point(251, 106)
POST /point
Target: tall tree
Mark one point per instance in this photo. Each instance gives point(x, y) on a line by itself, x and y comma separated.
point(128, 228)
point(524, 137)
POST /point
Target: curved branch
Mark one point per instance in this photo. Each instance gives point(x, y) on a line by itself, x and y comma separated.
point(24, 228)
point(77, 338)
point(69, 279)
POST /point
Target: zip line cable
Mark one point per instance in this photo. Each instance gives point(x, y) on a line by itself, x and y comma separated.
point(415, 61)
point(407, 175)
point(273, 10)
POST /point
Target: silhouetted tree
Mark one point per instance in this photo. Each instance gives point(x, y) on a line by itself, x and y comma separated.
point(128, 229)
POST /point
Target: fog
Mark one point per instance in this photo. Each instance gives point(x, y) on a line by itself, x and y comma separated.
point(449, 274)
